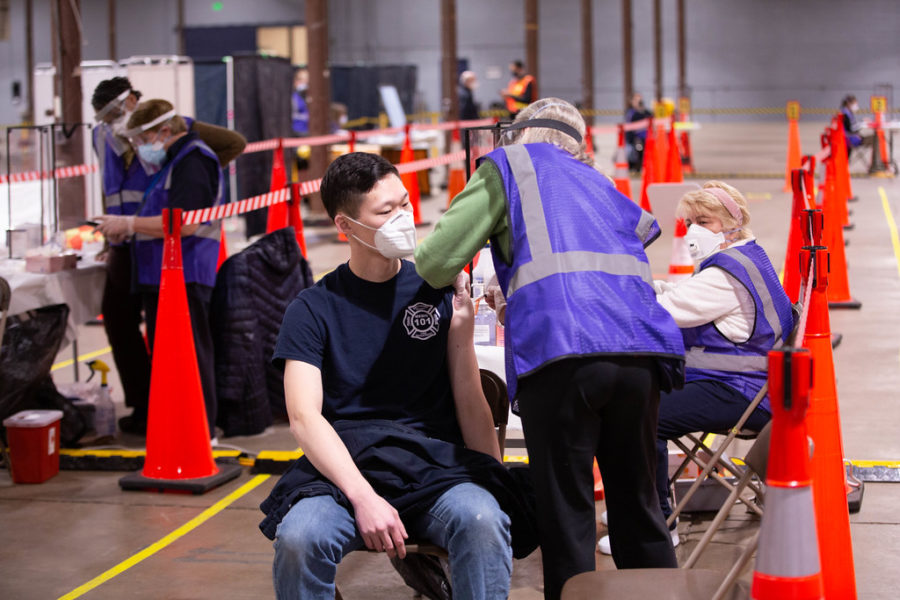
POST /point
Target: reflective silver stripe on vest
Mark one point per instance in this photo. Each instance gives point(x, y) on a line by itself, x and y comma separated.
point(762, 290)
point(696, 358)
point(787, 536)
point(123, 197)
point(645, 224)
point(545, 262)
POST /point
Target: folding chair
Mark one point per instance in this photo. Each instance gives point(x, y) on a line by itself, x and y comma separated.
point(494, 389)
point(696, 449)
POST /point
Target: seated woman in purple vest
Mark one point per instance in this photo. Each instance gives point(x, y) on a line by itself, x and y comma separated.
point(731, 312)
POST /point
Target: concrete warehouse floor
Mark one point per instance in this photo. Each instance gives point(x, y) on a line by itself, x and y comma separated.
point(66, 532)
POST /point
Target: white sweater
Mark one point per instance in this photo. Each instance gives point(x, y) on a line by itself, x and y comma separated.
point(710, 295)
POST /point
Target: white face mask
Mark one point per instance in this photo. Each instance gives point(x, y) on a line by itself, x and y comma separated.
point(396, 238)
point(702, 242)
point(854, 107)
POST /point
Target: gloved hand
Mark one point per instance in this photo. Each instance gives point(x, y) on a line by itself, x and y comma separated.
point(495, 299)
point(115, 227)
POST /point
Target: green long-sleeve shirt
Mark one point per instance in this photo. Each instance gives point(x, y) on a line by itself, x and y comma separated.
point(477, 214)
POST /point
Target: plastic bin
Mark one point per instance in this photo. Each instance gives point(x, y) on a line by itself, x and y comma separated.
point(33, 444)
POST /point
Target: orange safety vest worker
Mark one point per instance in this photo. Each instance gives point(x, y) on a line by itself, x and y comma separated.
point(515, 93)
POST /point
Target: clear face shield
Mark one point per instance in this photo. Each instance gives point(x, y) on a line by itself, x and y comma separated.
point(149, 145)
point(111, 119)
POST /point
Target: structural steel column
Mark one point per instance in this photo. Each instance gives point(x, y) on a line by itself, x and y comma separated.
point(70, 148)
point(682, 52)
point(319, 97)
point(449, 61)
point(587, 56)
point(627, 51)
point(111, 13)
point(657, 50)
point(179, 27)
point(29, 60)
point(531, 43)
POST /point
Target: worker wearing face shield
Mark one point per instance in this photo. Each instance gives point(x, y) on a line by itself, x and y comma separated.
point(184, 173)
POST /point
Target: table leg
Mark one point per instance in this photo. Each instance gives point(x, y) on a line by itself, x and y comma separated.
point(75, 357)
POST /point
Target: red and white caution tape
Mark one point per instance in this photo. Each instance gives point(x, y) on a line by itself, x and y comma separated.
point(427, 163)
point(59, 173)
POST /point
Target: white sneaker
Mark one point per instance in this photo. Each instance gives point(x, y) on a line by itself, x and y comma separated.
point(604, 519)
point(604, 547)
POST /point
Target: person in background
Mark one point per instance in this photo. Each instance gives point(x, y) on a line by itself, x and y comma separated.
point(299, 109)
point(338, 117)
point(184, 173)
point(852, 126)
point(124, 182)
point(384, 396)
point(588, 348)
point(468, 109)
point(731, 312)
point(521, 89)
point(634, 140)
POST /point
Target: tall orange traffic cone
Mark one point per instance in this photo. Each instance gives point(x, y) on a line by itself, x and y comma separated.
point(839, 285)
point(223, 246)
point(179, 455)
point(793, 148)
point(651, 171)
point(621, 177)
point(295, 220)
point(456, 180)
point(662, 152)
point(841, 171)
point(787, 561)
point(879, 166)
point(681, 265)
point(823, 420)
point(277, 216)
point(791, 281)
point(411, 180)
point(588, 141)
point(673, 160)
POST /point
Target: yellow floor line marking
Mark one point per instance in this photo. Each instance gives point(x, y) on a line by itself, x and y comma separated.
point(67, 363)
point(892, 225)
point(159, 545)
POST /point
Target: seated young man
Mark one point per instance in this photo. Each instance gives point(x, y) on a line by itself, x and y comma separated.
point(384, 397)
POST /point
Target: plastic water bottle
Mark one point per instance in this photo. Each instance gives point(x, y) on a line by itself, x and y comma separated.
point(485, 320)
point(104, 409)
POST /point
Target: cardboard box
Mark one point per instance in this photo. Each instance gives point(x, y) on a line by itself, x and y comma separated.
point(50, 264)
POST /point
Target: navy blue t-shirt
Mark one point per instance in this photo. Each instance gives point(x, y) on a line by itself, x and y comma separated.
point(381, 348)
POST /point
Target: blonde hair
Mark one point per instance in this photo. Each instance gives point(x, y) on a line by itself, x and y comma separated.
point(149, 110)
point(558, 110)
point(702, 202)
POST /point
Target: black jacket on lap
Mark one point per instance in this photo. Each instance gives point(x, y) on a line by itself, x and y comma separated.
point(253, 289)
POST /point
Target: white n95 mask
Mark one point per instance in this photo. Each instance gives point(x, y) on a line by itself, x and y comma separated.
point(702, 242)
point(396, 238)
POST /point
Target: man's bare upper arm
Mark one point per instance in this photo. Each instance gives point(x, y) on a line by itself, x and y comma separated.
point(302, 388)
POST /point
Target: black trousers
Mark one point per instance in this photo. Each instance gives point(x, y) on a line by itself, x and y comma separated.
point(198, 298)
point(575, 410)
point(122, 321)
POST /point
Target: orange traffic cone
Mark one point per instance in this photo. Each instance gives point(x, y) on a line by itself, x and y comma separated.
point(879, 166)
point(457, 178)
point(621, 177)
point(588, 141)
point(651, 170)
point(787, 561)
point(793, 149)
point(841, 170)
point(839, 288)
point(662, 152)
point(673, 162)
point(294, 218)
point(411, 180)
point(791, 281)
point(823, 420)
point(682, 265)
point(179, 455)
point(277, 215)
point(599, 492)
point(223, 246)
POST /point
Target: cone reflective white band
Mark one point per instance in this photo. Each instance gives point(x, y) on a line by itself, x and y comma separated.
point(788, 534)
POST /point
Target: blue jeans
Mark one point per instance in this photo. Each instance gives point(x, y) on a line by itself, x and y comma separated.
point(465, 520)
point(704, 405)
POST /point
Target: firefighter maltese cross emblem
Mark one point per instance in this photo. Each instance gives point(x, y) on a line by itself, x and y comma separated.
point(421, 321)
